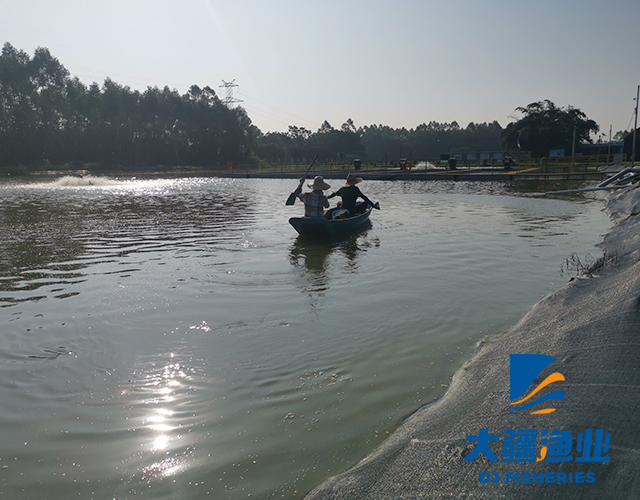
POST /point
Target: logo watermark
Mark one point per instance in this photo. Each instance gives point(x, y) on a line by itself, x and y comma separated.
point(521, 445)
point(523, 370)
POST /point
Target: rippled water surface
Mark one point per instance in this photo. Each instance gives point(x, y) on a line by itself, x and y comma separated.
point(174, 338)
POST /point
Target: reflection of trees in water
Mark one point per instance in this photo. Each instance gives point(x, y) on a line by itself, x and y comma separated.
point(313, 260)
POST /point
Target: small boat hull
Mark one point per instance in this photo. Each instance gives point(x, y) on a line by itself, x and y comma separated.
point(325, 228)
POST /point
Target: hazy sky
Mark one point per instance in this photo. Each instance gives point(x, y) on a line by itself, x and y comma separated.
point(398, 63)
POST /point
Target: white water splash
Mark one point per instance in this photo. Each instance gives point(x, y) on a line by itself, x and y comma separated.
point(82, 181)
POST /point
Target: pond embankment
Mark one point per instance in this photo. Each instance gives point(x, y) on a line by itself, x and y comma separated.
point(591, 327)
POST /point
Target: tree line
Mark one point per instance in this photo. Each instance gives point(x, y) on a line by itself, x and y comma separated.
point(47, 116)
point(379, 143)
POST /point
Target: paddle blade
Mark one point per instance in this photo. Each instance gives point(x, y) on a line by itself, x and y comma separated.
point(291, 199)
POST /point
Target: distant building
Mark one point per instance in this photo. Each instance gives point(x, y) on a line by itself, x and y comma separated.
point(603, 148)
point(556, 153)
point(480, 156)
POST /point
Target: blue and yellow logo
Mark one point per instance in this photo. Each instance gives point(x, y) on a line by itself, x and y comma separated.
point(524, 369)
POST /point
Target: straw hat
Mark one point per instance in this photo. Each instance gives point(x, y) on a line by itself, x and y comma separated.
point(318, 183)
point(352, 180)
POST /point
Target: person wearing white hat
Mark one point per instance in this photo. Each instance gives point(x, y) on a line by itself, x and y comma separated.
point(314, 202)
point(350, 194)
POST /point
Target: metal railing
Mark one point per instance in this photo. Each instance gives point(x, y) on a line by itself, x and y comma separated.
point(545, 168)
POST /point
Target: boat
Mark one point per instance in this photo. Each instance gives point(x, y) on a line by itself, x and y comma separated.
point(326, 228)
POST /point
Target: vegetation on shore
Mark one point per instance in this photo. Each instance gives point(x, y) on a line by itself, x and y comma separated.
point(49, 119)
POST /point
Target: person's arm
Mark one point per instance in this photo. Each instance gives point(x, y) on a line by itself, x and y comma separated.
point(299, 188)
point(374, 205)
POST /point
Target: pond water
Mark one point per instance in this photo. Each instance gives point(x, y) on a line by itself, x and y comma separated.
point(174, 337)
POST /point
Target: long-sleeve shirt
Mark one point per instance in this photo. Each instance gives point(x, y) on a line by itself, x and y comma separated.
point(349, 195)
point(314, 202)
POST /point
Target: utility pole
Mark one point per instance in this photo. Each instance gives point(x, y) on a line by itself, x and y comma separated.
point(573, 145)
point(635, 127)
point(609, 148)
point(229, 99)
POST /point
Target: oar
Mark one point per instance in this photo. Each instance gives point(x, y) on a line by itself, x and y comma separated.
point(292, 197)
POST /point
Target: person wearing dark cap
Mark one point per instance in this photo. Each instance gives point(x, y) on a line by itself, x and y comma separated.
point(350, 194)
point(314, 202)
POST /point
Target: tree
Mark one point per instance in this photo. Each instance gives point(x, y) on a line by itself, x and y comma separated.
point(325, 127)
point(47, 116)
point(275, 146)
point(621, 135)
point(299, 134)
point(348, 126)
point(545, 126)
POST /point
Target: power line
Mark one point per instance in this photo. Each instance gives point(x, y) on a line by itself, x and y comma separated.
point(278, 112)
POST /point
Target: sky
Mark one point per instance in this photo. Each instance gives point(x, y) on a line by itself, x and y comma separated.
point(399, 63)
